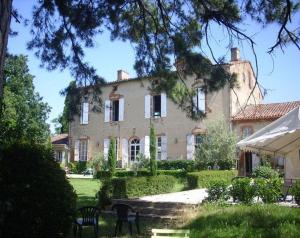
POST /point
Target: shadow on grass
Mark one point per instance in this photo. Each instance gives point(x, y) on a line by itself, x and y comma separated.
point(107, 227)
point(246, 221)
point(83, 200)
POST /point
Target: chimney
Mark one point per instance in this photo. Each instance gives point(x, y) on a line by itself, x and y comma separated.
point(235, 54)
point(122, 75)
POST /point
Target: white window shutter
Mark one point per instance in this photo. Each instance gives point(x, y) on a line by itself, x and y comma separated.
point(164, 148)
point(190, 146)
point(85, 113)
point(107, 111)
point(255, 161)
point(121, 109)
point(105, 149)
point(195, 103)
point(124, 144)
point(147, 106)
point(76, 150)
point(147, 147)
point(163, 105)
point(201, 100)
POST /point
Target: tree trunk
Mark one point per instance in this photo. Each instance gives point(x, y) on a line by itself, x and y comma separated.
point(5, 16)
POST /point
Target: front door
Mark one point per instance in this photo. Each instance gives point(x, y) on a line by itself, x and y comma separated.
point(248, 163)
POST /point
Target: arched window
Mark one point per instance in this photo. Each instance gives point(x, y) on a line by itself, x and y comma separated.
point(134, 149)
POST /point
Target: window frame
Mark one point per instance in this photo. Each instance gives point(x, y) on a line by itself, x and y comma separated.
point(83, 150)
point(196, 136)
point(158, 147)
point(136, 151)
point(156, 113)
point(115, 107)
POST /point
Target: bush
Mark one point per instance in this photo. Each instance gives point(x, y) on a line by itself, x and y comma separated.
point(153, 161)
point(296, 192)
point(265, 172)
point(204, 178)
point(97, 163)
point(217, 190)
point(243, 190)
point(186, 165)
point(77, 167)
point(112, 158)
point(36, 198)
point(269, 190)
point(105, 193)
point(139, 186)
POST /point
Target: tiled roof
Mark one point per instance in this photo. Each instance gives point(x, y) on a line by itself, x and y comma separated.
point(265, 111)
point(60, 139)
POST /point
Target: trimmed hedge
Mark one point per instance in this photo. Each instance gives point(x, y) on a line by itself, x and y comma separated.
point(203, 179)
point(187, 165)
point(132, 187)
point(141, 173)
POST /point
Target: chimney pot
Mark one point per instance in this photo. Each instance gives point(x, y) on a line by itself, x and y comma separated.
point(122, 75)
point(235, 54)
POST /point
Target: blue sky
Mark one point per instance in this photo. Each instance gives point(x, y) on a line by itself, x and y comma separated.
point(279, 73)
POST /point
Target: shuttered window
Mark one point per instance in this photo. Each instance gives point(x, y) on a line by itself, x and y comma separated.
point(83, 149)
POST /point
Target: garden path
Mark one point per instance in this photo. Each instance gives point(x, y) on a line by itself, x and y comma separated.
point(195, 196)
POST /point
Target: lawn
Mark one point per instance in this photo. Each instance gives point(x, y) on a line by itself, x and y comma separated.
point(214, 221)
point(246, 221)
point(86, 190)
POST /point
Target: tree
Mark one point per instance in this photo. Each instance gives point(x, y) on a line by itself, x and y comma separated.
point(159, 30)
point(24, 114)
point(218, 147)
point(153, 162)
point(112, 158)
point(71, 99)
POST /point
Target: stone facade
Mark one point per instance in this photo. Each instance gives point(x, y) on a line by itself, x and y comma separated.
point(130, 124)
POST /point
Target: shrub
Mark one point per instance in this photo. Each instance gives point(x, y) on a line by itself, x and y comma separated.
point(153, 162)
point(97, 163)
point(269, 190)
point(296, 192)
point(186, 165)
point(265, 172)
point(112, 158)
point(203, 178)
point(77, 167)
point(217, 190)
point(243, 190)
point(105, 193)
point(36, 198)
point(140, 186)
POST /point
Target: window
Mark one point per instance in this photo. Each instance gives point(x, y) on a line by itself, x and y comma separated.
point(134, 149)
point(156, 102)
point(246, 131)
point(84, 117)
point(83, 150)
point(199, 100)
point(115, 110)
point(158, 146)
point(59, 157)
point(199, 140)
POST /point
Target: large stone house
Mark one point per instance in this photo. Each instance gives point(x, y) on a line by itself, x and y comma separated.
point(252, 119)
point(129, 108)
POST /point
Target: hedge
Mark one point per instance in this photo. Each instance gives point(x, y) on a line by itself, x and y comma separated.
point(141, 173)
point(187, 165)
point(132, 187)
point(203, 179)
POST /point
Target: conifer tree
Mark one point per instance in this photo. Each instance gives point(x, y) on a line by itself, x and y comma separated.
point(112, 160)
point(153, 163)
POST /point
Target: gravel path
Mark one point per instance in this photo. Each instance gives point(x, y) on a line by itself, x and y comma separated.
point(195, 196)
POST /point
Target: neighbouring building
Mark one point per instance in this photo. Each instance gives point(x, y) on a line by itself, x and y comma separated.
point(129, 108)
point(60, 144)
point(250, 120)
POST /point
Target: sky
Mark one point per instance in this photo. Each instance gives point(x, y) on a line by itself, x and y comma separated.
point(279, 73)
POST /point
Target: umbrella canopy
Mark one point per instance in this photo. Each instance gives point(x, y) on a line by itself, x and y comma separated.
point(280, 137)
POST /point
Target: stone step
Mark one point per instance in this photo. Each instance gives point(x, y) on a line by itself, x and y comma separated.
point(163, 210)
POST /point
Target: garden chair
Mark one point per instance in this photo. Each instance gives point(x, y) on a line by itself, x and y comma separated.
point(288, 183)
point(89, 216)
point(125, 213)
point(170, 233)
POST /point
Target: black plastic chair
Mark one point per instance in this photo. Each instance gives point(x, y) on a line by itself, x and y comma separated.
point(125, 213)
point(89, 216)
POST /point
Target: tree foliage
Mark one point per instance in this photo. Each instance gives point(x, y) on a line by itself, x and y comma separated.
point(218, 147)
point(112, 158)
point(24, 113)
point(153, 162)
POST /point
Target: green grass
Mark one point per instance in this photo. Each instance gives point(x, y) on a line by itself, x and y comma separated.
point(246, 221)
point(86, 190)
